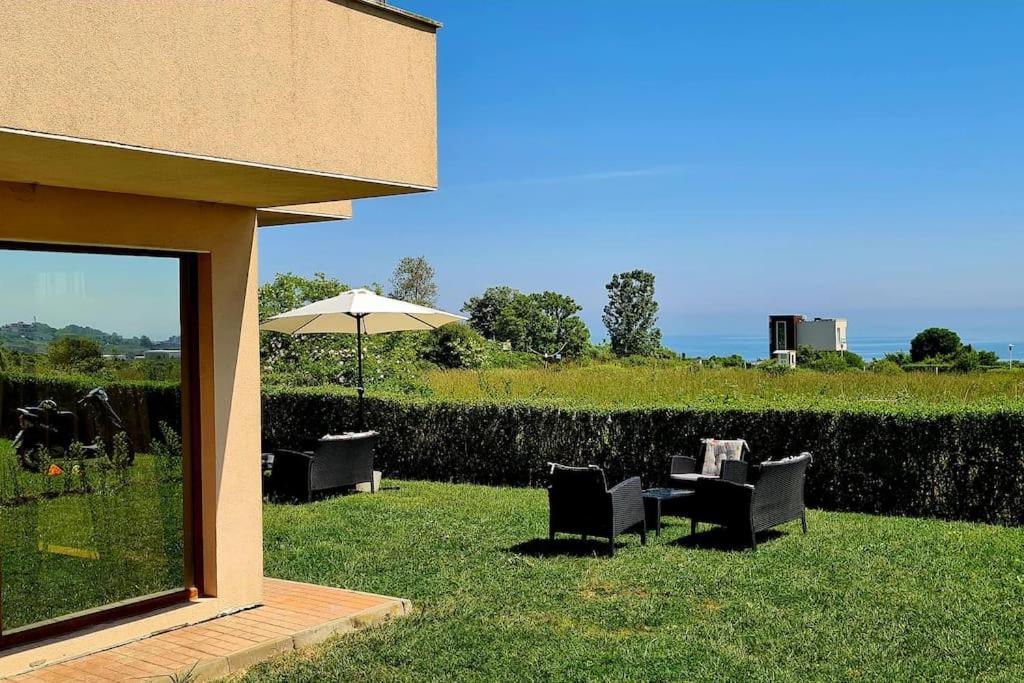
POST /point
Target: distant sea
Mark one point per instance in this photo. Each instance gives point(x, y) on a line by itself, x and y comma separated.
point(754, 347)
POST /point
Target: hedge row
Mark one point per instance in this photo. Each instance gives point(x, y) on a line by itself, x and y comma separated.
point(962, 466)
point(966, 465)
point(140, 405)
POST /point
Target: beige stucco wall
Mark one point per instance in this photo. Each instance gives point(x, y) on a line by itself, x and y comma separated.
point(229, 348)
point(294, 214)
point(326, 85)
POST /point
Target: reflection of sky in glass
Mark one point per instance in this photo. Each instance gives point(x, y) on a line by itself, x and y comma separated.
point(130, 295)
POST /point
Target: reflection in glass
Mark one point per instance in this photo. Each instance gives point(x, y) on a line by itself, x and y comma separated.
point(91, 486)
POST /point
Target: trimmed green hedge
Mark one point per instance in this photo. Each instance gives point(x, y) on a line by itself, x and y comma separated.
point(962, 465)
point(966, 464)
point(141, 405)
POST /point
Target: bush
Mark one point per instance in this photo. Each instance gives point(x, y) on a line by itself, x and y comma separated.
point(948, 464)
point(899, 358)
point(454, 347)
point(774, 368)
point(934, 342)
point(810, 358)
point(885, 367)
point(733, 361)
point(75, 353)
point(966, 360)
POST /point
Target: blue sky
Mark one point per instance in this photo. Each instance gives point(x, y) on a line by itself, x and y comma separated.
point(130, 295)
point(859, 159)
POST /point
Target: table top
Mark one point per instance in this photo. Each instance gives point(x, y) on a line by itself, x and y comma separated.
point(664, 493)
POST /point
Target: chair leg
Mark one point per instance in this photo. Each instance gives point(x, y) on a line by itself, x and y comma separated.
point(584, 537)
point(643, 532)
point(753, 540)
point(693, 527)
point(803, 520)
point(611, 546)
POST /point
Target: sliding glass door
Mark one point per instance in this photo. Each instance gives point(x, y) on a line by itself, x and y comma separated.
point(95, 475)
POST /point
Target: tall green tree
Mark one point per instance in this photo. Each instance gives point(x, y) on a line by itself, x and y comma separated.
point(934, 342)
point(631, 314)
point(413, 281)
point(75, 353)
point(485, 310)
point(545, 324)
point(288, 291)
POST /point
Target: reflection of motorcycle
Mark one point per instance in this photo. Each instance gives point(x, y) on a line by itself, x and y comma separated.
point(49, 427)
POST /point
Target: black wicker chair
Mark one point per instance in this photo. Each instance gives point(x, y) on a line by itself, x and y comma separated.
point(773, 494)
point(685, 471)
point(580, 502)
point(335, 462)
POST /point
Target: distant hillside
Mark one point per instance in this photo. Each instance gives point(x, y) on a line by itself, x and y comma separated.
point(36, 338)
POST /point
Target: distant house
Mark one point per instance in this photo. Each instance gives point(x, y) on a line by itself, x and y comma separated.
point(155, 354)
point(789, 332)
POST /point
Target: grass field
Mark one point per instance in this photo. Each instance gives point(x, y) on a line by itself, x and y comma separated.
point(859, 598)
point(68, 552)
point(607, 385)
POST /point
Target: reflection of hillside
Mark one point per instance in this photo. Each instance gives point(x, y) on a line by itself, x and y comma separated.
point(35, 337)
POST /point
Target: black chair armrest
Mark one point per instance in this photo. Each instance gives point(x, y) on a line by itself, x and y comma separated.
point(725, 494)
point(626, 491)
point(683, 464)
point(734, 471)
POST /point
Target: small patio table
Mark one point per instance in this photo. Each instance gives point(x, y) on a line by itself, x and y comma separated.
point(664, 501)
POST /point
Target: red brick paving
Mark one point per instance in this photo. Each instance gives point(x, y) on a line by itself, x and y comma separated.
point(288, 609)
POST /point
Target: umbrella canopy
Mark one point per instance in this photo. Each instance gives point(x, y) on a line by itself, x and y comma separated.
point(358, 310)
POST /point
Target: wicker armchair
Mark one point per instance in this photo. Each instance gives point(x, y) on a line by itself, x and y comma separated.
point(685, 471)
point(773, 494)
point(581, 503)
point(335, 462)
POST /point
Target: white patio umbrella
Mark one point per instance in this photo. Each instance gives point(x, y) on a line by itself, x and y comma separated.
point(358, 312)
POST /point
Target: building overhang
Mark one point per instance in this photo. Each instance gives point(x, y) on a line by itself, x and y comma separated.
point(250, 104)
point(303, 213)
point(61, 161)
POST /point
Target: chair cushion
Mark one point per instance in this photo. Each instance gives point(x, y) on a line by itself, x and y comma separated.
point(687, 477)
point(587, 480)
point(717, 450)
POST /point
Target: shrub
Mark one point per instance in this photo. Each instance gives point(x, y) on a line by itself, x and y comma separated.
point(75, 353)
point(885, 367)
point(966, 360)
point(947, 464)
point(454, 347)
point(810, 358)
point(774, 368)
point(900, 358)
point(733, 361)
point(934, 343)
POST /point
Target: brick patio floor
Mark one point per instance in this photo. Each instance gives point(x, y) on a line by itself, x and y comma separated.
point(293, 615)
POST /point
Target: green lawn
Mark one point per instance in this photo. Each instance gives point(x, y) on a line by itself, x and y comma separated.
point(859, 598)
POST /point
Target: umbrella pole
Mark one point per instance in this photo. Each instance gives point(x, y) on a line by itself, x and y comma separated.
point(359, 354)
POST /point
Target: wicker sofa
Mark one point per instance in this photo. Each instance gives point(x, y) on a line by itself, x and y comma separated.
point(335, 462)
point(580, 502)
point(772, 493)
